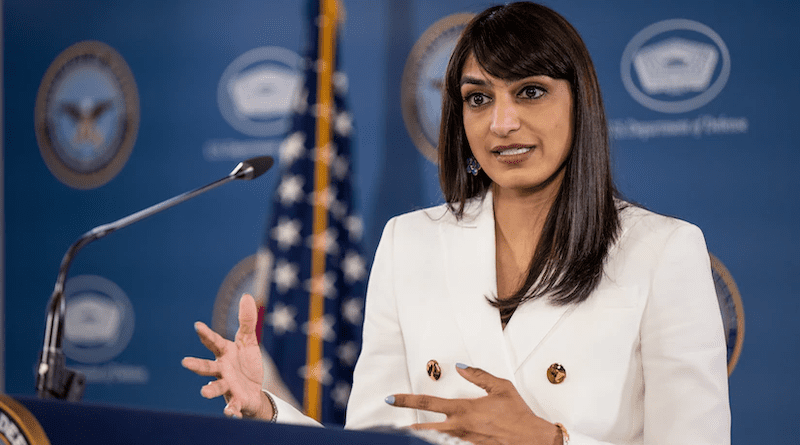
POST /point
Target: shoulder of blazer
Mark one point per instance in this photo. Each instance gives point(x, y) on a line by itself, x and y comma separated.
point(442, 215)
point(642, 226)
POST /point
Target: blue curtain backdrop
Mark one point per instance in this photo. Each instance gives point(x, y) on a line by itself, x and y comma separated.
point(719, 150)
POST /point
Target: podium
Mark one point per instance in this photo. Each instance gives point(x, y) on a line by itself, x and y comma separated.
point(85, 424)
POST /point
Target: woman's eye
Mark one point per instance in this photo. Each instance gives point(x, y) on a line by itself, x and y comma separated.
point(533, 92)
point(475, 100)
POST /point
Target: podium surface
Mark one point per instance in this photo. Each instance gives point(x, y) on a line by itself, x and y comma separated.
point(86, 424)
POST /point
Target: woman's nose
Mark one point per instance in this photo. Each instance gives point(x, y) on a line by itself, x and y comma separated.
point(504, 118)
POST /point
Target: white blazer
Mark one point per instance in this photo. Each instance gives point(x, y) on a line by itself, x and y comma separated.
point(644, 355)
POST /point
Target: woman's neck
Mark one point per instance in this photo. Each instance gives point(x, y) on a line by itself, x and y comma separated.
point(522, 213)
point(519, 220)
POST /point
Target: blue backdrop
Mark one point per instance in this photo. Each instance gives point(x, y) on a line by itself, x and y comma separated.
point(717, 147)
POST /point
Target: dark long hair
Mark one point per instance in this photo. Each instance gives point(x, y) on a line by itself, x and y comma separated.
point(512, 42)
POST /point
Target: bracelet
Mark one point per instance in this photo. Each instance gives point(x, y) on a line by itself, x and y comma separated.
point(564, 434)
point(274, 418)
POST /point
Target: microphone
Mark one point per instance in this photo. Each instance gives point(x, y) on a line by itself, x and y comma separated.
point(53, 379)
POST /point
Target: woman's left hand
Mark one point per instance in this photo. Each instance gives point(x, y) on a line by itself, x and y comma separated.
point(501, 417)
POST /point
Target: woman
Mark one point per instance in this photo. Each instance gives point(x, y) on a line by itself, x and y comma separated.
point(533, 307)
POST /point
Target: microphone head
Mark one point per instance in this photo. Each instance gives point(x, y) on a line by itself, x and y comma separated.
point(260, 165)
point(253, 167)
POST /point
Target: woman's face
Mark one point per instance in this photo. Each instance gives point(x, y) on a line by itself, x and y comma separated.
point(520, 132)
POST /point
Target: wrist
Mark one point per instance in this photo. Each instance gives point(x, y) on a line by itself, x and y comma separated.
point(264, 409)
point(268, 410)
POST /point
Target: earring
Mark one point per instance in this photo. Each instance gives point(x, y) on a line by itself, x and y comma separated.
point(473, 167)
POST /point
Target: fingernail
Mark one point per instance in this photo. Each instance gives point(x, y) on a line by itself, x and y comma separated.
point(389, 400)
point(196, 324)
point(461, 366)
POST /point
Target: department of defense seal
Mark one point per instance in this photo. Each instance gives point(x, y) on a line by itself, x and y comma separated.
point(87, 115)
point(423, 81)
point(18, 426)
point(730, 305)
point(249, 276)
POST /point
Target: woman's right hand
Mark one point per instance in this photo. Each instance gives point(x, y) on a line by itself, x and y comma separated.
point(237, 367)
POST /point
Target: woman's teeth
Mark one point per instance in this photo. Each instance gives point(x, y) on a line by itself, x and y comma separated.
point(514, 151)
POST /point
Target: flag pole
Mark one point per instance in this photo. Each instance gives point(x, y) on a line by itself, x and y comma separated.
point(312, 400)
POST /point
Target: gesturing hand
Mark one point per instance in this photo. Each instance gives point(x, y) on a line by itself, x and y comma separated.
point(501, 417)
point(237, 366)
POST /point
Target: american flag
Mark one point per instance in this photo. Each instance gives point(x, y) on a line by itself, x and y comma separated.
point(313, 316)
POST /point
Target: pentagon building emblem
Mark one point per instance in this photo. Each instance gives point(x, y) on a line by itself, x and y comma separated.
point(87, 115)
point(257, 91)
point(99, 320)
point(423, 81)
point(675, 66)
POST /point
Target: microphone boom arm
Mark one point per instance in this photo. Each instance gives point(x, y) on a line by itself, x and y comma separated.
point(53, 379)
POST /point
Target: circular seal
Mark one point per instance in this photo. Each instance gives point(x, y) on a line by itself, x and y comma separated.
point(257, 91)
point(676, 64)
point(730, 304)
point(99, 319)
point(423, 81)
point(240, 280)
point(87, 115)
point(18, 425)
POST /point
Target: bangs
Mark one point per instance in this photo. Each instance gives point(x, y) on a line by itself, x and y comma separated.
point(510, 48)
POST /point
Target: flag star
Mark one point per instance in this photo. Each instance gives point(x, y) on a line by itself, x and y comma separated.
point(341, 82)
point(338, 209)
point(324, 198)
point(347, 353)
point(354, 267)
point(290, 190)
point(326, 152)
point(282, 319)
point(292, 148)
point(324, 285)
point(351, 310)
point(320, 328)
point(339, 167)
point(287, 232)
point(343, 124)
point(319, 371)
point(320, 65)
point(340, 394)
point(325, 241)
point(321, 111)
point(355, 228)
point(285, 276)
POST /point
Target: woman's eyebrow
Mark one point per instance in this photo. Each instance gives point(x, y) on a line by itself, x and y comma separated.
point(468, 80)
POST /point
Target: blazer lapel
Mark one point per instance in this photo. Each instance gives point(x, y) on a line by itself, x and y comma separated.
point(531, 324)
point(471, 278)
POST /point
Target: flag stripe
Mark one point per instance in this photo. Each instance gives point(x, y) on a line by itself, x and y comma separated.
point(312, 401)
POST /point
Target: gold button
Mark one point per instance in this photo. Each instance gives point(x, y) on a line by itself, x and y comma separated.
point(434, 370)
point(556, 373)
